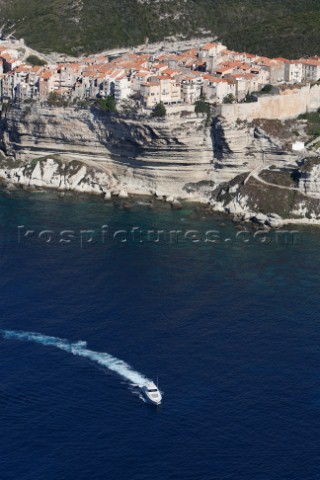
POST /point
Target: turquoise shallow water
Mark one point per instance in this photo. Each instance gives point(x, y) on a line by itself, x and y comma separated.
point(231, 326)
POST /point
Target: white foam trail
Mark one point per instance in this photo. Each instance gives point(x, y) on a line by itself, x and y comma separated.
point(80, 349)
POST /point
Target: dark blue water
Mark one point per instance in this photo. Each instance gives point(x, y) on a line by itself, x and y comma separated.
point(231, 328)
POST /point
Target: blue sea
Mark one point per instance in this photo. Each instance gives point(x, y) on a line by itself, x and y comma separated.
point(228, 320)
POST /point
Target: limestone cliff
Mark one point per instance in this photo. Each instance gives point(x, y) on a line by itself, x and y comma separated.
point(140, 155)
point(179, 157)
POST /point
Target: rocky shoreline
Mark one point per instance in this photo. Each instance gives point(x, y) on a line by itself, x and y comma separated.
point(242, 169)
point(128, 201)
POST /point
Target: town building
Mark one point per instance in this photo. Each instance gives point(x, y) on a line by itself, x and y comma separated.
point(294, 72)
point(211, 71)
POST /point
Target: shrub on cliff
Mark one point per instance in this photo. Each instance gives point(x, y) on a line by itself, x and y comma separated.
point(202, 107)
point(249, 98)
point(229, 98)
point(107, 104)
point(159, 110)
point(56, 100)
point(36, 61)
point(267, 89)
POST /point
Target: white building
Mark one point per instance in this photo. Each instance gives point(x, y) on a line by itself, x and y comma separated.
point(161, 89)
point(8, 86)
point(138, 79)
point(311, 70)
point(293, 72)
point(191, 89)
point(122, 88)
point(216, 89)
point(211, 50)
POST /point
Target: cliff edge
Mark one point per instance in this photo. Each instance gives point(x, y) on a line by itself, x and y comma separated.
point(245, 168)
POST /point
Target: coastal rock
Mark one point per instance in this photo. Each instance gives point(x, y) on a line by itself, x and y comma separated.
point(138, 156)
point(179, 157)
point(260, 219)
point(176, 205)
point(236, 167)
point(242, 147)
point(123, 194)
point(309, 182)
point(274, 220)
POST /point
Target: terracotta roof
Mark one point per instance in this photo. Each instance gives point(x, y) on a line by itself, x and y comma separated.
point(151, 84)
point(172, 71)
point(23, 69)
point(159, 65)
point(213, 79)
point(282, 59)
point(164, 77)
point(36, 69)
point(46, 74)
point(224, 69)
point(313, 63)
point(208, 46)
point(143, 74)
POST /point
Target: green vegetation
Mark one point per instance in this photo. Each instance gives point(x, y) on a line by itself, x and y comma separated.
point(229, 98)
point(314, 130)
point(159, 110)
point(266, 90)
point(202, 107)
point(107, 104)
point(313, 119)
point(249, 98)
point(275, 28)
point(56, 100)
point(36, 61)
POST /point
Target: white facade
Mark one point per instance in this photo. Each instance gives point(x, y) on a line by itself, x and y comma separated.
point(122, 89)
point(165, 90)
point(311, 71)
point(7, 87)
point(215, 90)
point(138, 79)
point(293, 72)
point(191, 90)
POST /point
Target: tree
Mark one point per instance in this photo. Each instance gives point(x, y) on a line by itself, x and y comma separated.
point(107, 104)
point(159, 110)
point(57, 100)
point(202, 107)
point(229, 98)
point(249, 98)
point(36, 61)
point(267, 89)
point(54, 98)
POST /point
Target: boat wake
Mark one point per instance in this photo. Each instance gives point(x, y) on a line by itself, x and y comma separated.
point(80, 349)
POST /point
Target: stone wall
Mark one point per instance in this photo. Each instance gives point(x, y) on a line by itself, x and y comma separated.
point(288, 104)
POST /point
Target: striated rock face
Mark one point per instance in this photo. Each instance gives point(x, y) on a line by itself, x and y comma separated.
point(309, 182)
point(241, 147)
point(141, 156)
point(271, 197)
point(179, 156)
point(52, 173)
point(243, 168)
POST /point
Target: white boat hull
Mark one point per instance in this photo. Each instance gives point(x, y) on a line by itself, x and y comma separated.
point(151, 394)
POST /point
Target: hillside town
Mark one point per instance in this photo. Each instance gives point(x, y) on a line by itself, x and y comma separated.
point(212, 72)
